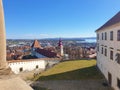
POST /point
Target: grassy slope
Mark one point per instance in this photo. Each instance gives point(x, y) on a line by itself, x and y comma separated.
point(72, 70)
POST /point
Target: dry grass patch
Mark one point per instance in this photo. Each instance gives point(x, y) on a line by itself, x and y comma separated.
point(72, 70)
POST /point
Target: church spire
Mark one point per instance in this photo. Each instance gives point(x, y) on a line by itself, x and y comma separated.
point(60, 43)
point(36, 44)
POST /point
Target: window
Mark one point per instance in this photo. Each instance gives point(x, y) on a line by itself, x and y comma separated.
point(21, 69)
point(102, 50)
point(109, 78)
point(102, 36)
point(37, 66)
point(97, 36)
point(111, 55)
point(118, 83)
point(118, 35)
point(118, 58)
point(105, 52)
point(111, 35)
point(105, 35)
point(97, 47)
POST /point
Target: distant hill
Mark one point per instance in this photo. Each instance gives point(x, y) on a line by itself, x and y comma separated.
point(76, 39)
point(64, 39)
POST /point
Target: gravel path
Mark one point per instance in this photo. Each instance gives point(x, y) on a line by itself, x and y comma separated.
point(72, 85)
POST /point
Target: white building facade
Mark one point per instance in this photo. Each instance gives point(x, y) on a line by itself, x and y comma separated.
point(18, 66)
point(108, 51)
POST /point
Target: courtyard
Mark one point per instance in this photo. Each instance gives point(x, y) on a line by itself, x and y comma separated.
point(71, 75)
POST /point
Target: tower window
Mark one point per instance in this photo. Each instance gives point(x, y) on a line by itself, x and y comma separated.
point(105, 52)
point(111, 55)
point(102, 36)
point(118, 58)
point(102, 50)
point(97, 36)
point(111, 35)
point(110, 78)
point(97, 47)
point(105, 35)
point(118, 35)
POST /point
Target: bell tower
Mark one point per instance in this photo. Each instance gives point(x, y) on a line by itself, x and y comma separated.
point(60, 46)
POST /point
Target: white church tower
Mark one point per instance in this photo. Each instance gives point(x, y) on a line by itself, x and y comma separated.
point(60, 46)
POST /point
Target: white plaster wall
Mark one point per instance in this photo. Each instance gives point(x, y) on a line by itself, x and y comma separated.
point(27, 65)
point(103, 62)
point(61, 50)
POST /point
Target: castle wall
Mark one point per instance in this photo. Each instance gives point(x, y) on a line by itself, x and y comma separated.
point(105, 64)
point(23, 66)
point(18, 66)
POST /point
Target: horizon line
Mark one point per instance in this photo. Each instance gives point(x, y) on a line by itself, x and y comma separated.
point(53, 38)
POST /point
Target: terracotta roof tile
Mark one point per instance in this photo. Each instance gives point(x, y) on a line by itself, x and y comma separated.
point(36, 44)
point(46, 53)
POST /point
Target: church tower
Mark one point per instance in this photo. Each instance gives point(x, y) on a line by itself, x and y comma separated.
point(3, 62)
point(60, 46)
point(36, 44)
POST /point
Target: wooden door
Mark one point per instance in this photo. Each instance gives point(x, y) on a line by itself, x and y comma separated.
point(109, 78)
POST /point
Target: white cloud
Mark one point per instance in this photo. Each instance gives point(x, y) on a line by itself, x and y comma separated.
point(44, 35)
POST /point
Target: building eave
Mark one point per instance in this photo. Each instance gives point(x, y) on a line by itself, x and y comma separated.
point(112, 26)
point(114, 20)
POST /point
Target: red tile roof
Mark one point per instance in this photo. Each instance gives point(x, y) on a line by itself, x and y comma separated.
point(36, 44)
point(114, 20)
point(46, 53)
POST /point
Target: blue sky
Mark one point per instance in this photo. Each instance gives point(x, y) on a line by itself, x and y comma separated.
point(35, 19)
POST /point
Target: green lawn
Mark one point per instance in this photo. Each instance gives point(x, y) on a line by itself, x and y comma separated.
point(72, 70)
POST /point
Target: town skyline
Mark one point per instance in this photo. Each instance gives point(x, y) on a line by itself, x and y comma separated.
point(72, 63)
point(52, 19)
